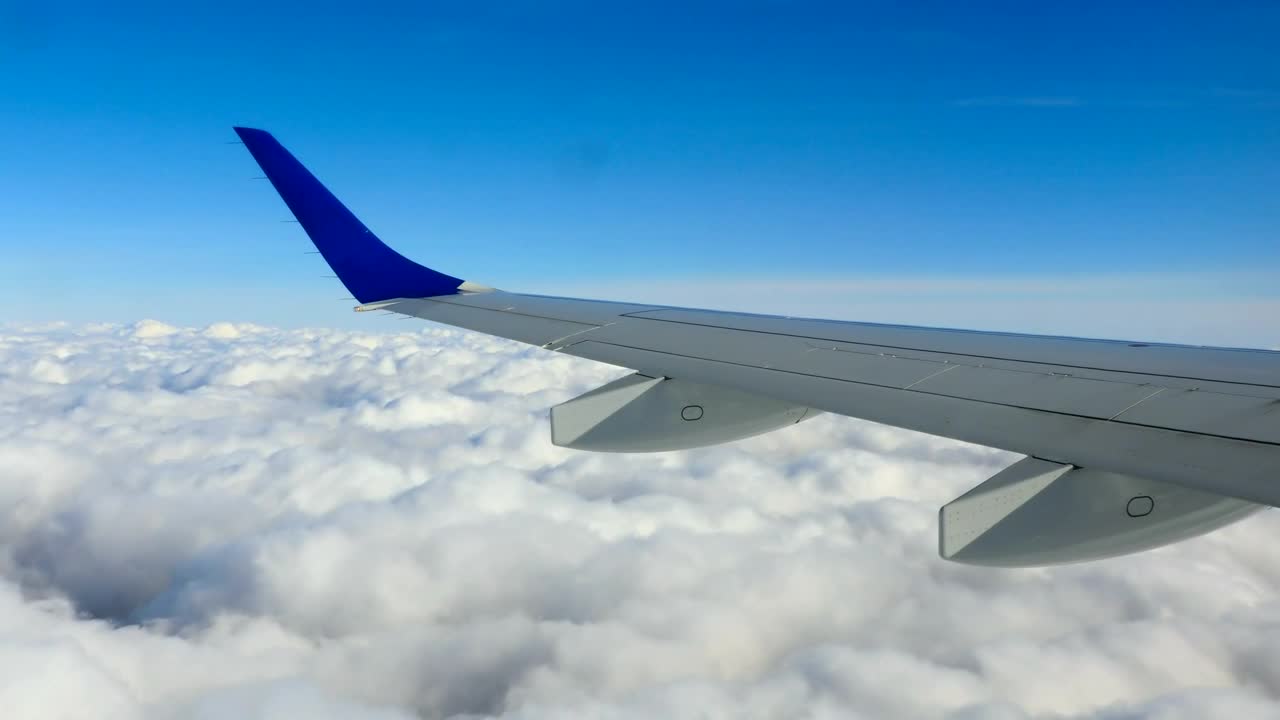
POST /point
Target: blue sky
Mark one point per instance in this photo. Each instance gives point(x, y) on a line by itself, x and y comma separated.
point(557, 146)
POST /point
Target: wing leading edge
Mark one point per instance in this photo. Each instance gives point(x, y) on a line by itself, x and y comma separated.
point(1196, 417)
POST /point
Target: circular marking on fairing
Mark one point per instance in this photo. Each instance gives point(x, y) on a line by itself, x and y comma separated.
point(691, 412)
point(1140, 506)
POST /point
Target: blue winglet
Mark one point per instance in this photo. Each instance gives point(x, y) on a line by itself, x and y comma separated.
point(370, 270)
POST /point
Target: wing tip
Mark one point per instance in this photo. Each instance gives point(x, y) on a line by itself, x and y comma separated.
point(370, 269)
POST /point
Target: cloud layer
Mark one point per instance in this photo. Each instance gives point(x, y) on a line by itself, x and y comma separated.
point(241, 522)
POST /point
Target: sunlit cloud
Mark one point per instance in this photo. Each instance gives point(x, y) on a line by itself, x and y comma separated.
point(243, 522)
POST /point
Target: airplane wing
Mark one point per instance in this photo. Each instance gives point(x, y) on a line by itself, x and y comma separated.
point(1129, 445)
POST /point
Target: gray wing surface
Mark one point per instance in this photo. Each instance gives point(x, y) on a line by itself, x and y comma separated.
point(1204, 417)
point(1129, 445)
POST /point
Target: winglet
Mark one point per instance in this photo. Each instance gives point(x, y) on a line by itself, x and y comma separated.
point(366, 266)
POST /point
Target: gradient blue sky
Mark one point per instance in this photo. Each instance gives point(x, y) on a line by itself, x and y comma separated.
point(557, 146)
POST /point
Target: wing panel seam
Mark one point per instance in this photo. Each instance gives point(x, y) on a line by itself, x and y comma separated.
point(1136, 404)
point(590, 326)
point(940, 395)
point(956, 354)
point(948, 368)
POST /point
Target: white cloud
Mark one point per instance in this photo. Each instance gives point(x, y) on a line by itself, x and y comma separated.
point(242, 522)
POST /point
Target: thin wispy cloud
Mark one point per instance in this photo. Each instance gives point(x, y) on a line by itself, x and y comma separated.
point(1150, 98)
point(1262, 98)
point(1247, 93)
point(1031, 101)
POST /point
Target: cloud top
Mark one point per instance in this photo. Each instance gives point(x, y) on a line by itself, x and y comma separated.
point(243, 522)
